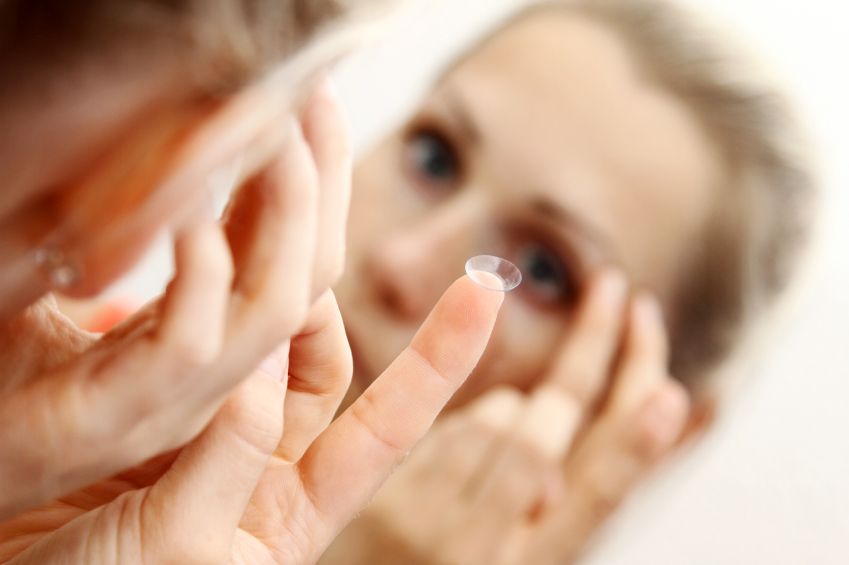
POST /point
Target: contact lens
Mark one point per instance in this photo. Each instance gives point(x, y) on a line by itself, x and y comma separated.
point(494, 273)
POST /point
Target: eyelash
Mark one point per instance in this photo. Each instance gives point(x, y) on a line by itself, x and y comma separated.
point(564, 271)
point(423, 179)
point(519, 240)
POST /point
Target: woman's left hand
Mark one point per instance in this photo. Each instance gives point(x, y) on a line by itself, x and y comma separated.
point(270, 480)
point(530, 478)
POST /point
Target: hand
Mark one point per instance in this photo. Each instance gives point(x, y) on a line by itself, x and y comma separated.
point(244, 493)
point(74, 410)
point(517, 478)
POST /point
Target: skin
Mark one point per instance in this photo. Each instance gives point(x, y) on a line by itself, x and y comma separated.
point(221, 457)
point(573, 394)
point(243, 287)
point(284, 478)
point(580, 129)
point(612, 403)
point(528, 478)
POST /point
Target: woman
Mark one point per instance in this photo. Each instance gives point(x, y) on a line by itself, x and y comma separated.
point(606, 148)
point(169, 440)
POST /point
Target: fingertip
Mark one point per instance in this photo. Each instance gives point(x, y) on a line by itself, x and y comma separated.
point(488, 299)
point(497, 408)
point(295, 149)
point(678, 394)
point(458, 329)
point(647, 312)
point(325, 96)
point(324, 123)
point(664, 416)
point(609, 290)
point(201, 253)
point(647, 330)
point(469, 306)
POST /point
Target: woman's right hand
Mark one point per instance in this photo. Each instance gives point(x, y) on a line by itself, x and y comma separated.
point(516, 478)
point(75, 409)
point(273, 478)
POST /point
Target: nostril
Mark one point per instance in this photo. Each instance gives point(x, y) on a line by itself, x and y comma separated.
point(398, 302)
point(396, 288)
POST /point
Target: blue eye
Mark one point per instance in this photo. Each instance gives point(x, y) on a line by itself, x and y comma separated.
point(546, 276)
point(433, 158)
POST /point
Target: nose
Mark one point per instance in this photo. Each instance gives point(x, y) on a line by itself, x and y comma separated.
point(411, 267)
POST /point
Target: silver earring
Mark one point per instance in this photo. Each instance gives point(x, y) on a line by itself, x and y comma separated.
point(55, 267)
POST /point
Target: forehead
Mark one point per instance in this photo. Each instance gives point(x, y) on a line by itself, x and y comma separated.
point(560, 99)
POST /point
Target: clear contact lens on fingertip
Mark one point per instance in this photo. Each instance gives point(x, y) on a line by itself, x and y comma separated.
point(494, 273)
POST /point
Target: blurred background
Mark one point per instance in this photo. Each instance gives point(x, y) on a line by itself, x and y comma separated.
point(772, 485)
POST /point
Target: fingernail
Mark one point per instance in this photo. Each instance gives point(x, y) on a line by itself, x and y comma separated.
point(274, 366)
point(663, 415)
point(293, 128)
point(648, 311)
point(327, 87)
point(612, 288)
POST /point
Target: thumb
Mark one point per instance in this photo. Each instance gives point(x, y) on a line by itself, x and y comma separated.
point(372, 437)
point(204, 494)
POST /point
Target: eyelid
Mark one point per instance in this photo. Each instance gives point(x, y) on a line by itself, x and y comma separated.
point(433, 119)
point(565, 250)
point(564, 242)
point(419, 126)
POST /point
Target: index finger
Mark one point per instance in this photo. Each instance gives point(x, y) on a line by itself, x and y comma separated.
point(578, 376)
point(372, 437)
point(581, 368)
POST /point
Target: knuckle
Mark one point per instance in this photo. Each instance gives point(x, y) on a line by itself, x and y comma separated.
point(189, 352)
point(599, 497)
point(604, 501)
point(582, 387)
point(508, 395)
point(344, 367)
point(596, 319)
point(257, 421)
point(381, 431)
point(218, 263)
point(223, 269)
point(580, 377)
point(647, 442)
point(515, 490)
point(306, 191)
point(284, 314)
point(215, 265)
point(496, 410)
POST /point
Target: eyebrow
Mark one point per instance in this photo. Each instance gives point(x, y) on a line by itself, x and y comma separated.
point(459, 109)
point(561, 215)
point(543, 206)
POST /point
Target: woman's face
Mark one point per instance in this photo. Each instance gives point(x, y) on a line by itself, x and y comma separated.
point(545, 146)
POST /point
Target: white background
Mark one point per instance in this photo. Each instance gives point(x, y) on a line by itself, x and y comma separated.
point(772, 486)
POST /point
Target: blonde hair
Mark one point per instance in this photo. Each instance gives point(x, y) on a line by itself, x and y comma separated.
point(219, 44)
point(82, 74)
point(752, 247)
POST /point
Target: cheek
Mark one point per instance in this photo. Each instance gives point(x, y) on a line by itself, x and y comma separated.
point(373, 210)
